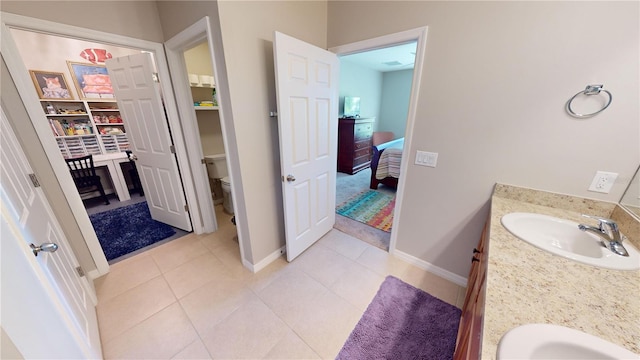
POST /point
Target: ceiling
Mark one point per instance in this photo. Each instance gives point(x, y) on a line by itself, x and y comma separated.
point(401, 57)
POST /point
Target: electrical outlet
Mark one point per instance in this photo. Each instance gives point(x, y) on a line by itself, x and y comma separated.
point(603, 181)
point(425, 158)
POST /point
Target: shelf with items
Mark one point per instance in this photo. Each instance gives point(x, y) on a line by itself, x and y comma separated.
point(86, 126)
point(204, 98)
point(65, 126)
point(63, 107)
point(115, 142)
point(74, 146)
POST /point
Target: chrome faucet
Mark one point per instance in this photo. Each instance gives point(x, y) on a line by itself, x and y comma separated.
point(608, 232)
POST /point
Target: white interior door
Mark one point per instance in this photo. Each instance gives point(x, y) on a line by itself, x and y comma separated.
point(307, 93)
point(48, 310)
point(141, 105)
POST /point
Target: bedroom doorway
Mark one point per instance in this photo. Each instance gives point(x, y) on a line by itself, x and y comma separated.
point(395, 60)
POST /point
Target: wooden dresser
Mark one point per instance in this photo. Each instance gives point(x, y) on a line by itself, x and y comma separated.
point(354, 144)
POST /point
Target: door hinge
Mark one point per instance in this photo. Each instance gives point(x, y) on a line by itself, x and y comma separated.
point(172, 149)
point(155, 77)
point(34, 180)
point(186, 208)
point(80, 271)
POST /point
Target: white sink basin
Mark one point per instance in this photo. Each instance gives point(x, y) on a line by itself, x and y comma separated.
point(546, 341)
point(562, 237)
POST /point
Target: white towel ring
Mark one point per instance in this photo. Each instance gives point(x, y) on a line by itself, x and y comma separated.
point(589, 90)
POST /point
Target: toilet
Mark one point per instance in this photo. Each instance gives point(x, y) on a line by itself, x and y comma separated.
point(217, 169)
point(227, 203)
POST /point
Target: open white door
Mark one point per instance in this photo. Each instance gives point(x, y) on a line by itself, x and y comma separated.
point(307, 93)
point(48, 310)
point(141, 105)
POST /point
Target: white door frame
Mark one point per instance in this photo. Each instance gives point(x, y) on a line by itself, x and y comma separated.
point(31, 103)
point(175, 47)
point(419, 35)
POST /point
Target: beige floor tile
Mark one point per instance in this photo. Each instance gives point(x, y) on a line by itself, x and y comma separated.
point(178, 252)
point(133, 306)
point(291, 295)
point(248, 333)
point(258, 281)
point(222, 239)
point(327, 326)
point(231, 259)
point(291, 347)
point(434, 285)
point(159, 337)
point(358, 286)
point(126, 275)
point(214, 301)
point(322, 264)
point(195, 351)
point(344, 244)
point(382, 262)
point(195, 273)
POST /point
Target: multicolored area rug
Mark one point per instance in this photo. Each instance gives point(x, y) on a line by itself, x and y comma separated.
point(370, 207)
point(403, 322)
point(124, 230)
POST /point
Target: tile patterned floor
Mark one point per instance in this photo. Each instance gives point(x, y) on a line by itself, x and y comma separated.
point(192, 299)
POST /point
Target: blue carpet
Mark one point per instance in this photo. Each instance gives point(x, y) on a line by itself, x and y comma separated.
point(127, 229)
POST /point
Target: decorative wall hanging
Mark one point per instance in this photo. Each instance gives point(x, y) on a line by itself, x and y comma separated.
point(50, 85)
point(92, 81)
point(95, 55)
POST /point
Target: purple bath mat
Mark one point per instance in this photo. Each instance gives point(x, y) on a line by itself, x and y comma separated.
point(403, 322)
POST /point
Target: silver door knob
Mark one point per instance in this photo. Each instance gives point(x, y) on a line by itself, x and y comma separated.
point(46, 247)
point(291, 178)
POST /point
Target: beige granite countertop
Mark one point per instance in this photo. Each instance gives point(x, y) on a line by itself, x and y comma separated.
point(528, 285)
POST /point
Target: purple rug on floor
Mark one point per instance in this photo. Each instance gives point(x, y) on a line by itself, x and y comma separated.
point(403, 322)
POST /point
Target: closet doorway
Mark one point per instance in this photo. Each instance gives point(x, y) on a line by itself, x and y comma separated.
point(205, 107)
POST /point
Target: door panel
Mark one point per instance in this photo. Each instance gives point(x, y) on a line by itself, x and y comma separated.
point(139, 99)
point(27, 211)
point(307, 91)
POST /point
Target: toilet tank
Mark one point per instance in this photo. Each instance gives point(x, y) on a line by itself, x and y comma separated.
point(216, 165)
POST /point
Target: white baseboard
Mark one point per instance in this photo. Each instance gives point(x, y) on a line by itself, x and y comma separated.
point(93, 274)
point(445, 274)
point(264, 262)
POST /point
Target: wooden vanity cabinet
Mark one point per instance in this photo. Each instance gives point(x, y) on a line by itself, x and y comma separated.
point(354, 144)
point(468, 343)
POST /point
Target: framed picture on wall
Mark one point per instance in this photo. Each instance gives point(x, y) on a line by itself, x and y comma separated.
point(92, 81)
point(50, 85)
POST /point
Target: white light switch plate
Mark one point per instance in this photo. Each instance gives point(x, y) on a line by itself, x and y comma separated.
point(425, 158)
point(603, 181)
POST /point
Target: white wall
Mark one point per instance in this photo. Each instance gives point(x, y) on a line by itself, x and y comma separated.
point(356, 80)
point(247, 33)
point(8, 349)
point(496, 79)
point(50, 53)
point(137, 19)
point(394, 107)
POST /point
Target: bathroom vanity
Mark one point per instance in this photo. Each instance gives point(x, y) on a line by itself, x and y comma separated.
point(524, 285)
